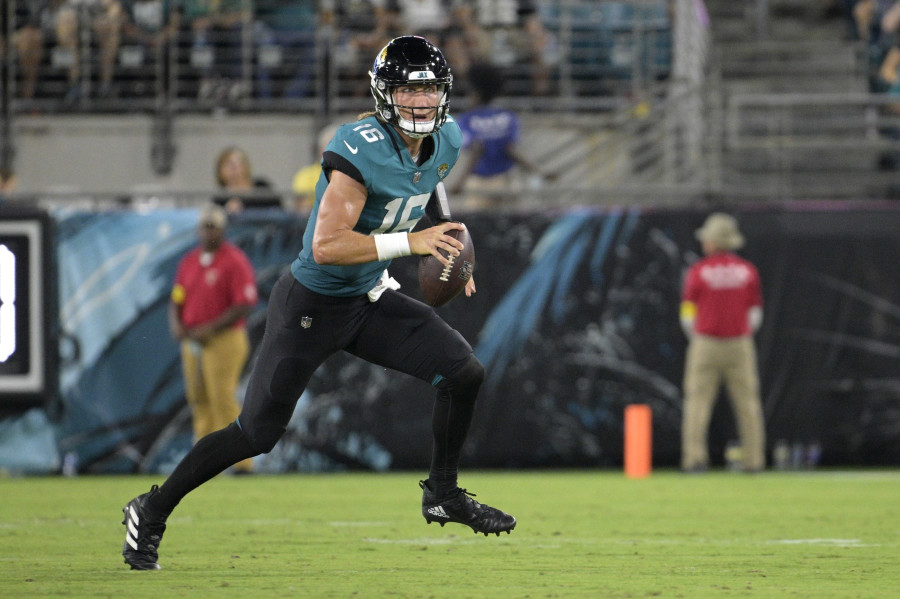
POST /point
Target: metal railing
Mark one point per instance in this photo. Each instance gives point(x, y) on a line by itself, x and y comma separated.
point(812, 146)
point(595, 52)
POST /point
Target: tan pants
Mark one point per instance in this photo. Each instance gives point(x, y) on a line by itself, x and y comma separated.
point(211, 376)
point(710, 361)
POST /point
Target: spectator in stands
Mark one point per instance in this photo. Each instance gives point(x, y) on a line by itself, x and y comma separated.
point(890, 29)
point(362, 28)
point(427, 18)
point(147, 29)
point(289, 26)
point(490, 144)
point(28, 42)
point(868, 14)
point(104, 18)
point(890, 19)
point(239, 188)
point(214, 29)
point(149, 22)
point(885, 78)
point(507, 33)
point(888, 78)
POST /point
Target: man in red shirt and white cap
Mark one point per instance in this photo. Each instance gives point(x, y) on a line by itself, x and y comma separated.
point(721, 309)
point(214, 291)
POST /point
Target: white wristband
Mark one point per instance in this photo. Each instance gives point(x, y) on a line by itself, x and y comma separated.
point(392, 245)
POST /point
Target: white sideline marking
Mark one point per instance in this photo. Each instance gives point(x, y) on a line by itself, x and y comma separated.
point(877, 475)
point(422, 541)
point(747, 542)
point(829, 542)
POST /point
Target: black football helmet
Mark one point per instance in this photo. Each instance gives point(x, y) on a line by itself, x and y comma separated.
point(407, 60)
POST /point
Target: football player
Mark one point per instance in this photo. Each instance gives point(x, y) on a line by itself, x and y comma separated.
point(379, 175)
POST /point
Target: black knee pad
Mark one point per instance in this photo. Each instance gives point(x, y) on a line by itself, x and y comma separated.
point(263, 430)
point(269, 403)
point(465, 380)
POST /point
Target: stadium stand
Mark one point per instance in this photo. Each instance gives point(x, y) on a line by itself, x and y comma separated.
point(800, 118)
point(606, 48)
point(655, 101)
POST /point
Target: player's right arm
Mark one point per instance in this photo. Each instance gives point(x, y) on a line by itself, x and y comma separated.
point(336, 243)
point(334, 240)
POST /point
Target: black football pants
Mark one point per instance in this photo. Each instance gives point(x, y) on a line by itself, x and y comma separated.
point(304, 328)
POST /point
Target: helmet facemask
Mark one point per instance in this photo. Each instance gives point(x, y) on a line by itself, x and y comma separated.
point(393, 112)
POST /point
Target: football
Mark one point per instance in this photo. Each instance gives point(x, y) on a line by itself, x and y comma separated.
point(440, 283)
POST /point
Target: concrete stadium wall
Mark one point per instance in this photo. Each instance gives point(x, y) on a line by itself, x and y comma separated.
point(112, 154)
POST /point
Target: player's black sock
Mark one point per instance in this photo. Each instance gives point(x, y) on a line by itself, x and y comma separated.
point(450, 420)
point(210, 456)
point(450, 425)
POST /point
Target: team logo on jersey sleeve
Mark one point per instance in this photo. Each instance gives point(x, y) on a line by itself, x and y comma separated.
point(443, 170)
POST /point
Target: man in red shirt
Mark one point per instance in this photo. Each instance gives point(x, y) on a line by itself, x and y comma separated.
point(214, 291)
point(721, 309)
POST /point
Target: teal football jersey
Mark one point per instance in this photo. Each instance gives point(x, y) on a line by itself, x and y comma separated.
point(398, 191)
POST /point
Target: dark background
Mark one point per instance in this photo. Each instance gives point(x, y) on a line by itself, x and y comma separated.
point(576, 316)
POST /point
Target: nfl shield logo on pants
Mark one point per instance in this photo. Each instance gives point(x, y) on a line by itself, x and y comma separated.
point(306, 322)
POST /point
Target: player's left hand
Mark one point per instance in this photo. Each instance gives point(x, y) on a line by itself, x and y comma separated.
point(470, 287)
point(432, 239)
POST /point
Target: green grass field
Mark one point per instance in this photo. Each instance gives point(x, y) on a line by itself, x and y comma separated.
point(579, 534)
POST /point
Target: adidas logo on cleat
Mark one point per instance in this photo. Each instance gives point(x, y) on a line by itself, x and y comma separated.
point(131, 523)
point(438, 512)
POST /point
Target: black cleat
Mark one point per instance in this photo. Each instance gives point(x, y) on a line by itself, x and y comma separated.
point(143, 533)
point(459, 507)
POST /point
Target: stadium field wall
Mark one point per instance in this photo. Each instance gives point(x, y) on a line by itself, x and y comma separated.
point(576, 317)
